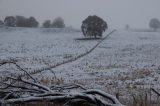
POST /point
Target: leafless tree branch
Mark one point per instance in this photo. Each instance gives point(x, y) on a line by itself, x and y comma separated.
point(18, 66)
point(155, 91)
point(24, 91)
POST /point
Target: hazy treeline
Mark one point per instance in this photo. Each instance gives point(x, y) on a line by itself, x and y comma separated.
point(22, 21)
point(57, 23)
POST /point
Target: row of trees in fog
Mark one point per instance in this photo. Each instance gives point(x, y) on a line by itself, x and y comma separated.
point(57, 23)
point(21, 21)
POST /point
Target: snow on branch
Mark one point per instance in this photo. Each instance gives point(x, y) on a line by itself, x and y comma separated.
point(18, 66)
point(25, 91)
point(19, 90)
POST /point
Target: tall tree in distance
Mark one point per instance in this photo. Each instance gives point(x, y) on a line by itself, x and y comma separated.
point(58, 23)
point(93, 26)
point(154, 24)
point(127, 27)
point(10, 21)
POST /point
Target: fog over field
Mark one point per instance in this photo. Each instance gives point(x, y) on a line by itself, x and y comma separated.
point(117, 13)
point(79, 52)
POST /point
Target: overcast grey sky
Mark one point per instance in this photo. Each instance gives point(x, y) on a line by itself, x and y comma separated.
point(117, 13)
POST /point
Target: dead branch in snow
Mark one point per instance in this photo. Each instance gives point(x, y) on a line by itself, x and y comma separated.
point(25, 91)
point(19, 90)
point(18, 66)
point(156, 92)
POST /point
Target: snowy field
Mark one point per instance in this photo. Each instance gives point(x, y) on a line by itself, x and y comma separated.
point(126, 61)
point(36, 48)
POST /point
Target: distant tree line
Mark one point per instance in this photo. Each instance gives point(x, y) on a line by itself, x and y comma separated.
point(92, 26)
point(57, 23)
point(21, 21)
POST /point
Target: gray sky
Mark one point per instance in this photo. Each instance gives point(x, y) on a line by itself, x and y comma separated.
point(117, 13)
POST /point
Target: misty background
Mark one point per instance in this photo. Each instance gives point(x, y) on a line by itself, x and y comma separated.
point(117, 13)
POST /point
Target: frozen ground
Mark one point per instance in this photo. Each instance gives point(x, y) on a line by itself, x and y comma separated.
point(36, 48)
point(126, 62)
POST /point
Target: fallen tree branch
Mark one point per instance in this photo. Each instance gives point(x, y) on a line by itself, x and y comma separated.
point(32, 84)
point(18, 66)
point(67, 87)
point(3, 62)
point(103, 94)
point(155, 91)
point(24, 91)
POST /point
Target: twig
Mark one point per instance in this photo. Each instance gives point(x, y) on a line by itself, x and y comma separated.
point(155, 91)
point(32, 83)
point(18, 66)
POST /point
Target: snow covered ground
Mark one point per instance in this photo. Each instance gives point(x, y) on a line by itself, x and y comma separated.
point(34, 48)
point(125, 62)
